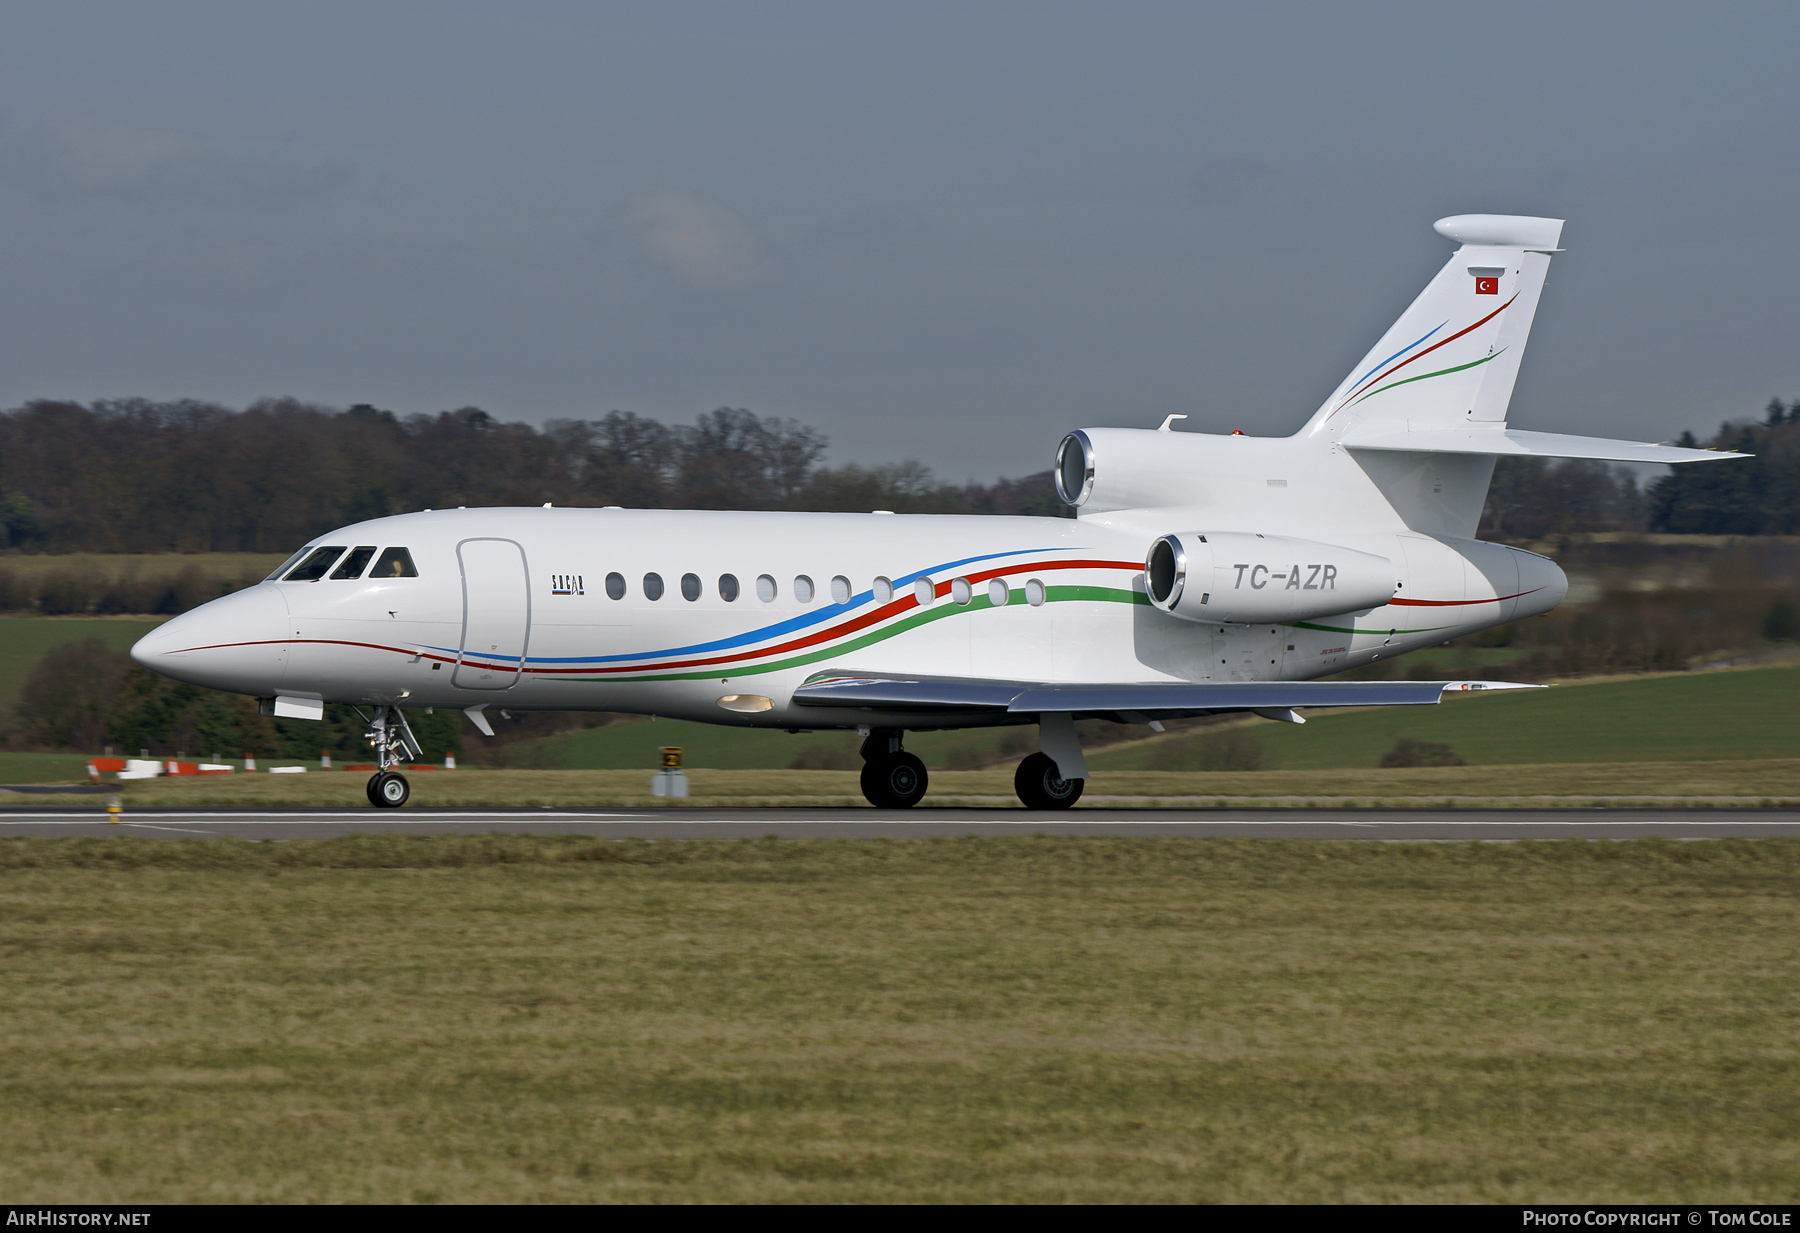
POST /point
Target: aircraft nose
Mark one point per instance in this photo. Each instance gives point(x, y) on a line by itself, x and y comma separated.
point(238, 643)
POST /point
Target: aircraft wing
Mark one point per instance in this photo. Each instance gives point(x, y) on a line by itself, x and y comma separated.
point(1133, 703)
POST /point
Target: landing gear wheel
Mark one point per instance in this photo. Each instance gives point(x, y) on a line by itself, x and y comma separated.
point(369, 788)
point(1040, 786)
point(894, 781)
point(389, 790)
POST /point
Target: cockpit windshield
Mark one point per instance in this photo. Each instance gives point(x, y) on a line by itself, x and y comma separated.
point(286, 565)
point(313, 568)
point(394, 563)
point(353, 564)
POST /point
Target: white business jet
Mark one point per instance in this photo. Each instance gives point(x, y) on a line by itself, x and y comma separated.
point(1202, 574)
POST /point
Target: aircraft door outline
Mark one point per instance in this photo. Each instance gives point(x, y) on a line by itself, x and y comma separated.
point(495, 612)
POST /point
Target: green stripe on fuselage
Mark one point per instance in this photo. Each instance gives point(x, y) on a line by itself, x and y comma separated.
point(937, 612)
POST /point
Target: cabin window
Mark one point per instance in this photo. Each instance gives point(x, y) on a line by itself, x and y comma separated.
point(840, 590)
point(924, 591)
point(883, 590)
point(313, 568)
point(652, 586)
point(354, 563)
point(286, 565)
point(728, 588)
point(998, 595)
point(765, 589)
point(803, 589)
point(394, 563)
point(615, 586)
point(690, 587)
point(1034, 593)
point(961, 591)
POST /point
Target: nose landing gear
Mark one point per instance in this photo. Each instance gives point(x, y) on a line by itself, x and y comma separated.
point(388, 789)
point(891, 777)
point(394, 743)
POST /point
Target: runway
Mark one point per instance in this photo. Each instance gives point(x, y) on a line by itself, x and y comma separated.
point(838, 823)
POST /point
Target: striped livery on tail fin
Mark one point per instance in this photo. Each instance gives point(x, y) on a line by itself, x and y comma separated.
point(1452, 358)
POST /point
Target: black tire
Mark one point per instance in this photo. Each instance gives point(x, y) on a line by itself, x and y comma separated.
point(389, 790)
point(894, 781)
point(369, 789)
point(1040, 787)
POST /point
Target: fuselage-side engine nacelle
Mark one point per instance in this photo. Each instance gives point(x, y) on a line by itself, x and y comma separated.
point(1241, 578)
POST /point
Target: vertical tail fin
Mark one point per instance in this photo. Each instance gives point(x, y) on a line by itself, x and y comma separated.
point(1452, 358)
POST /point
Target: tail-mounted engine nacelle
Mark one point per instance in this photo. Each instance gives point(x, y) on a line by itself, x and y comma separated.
point(1240, 578)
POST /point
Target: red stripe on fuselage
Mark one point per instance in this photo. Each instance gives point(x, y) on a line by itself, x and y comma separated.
point(862, 622)
point(370, 646)
point(1457, 603)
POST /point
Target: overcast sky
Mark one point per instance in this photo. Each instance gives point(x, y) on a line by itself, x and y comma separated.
point(950, 232)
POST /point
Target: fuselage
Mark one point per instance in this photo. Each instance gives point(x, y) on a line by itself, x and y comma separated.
point(719, 616)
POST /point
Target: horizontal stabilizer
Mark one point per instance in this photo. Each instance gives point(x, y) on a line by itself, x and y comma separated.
point(1386, 435)
point(1150, 699)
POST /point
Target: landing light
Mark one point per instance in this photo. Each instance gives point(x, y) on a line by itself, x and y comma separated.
point(746, 704)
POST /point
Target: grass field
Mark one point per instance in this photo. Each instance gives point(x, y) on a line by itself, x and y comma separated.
point(1750, 713)
point(154, 583)
point(227, 566)
point(1727, 738)
point(23, 641)
point(42, 768)
point(1703, 716)
point(501, 1019)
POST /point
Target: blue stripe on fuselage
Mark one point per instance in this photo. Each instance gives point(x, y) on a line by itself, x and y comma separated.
point(766, 632)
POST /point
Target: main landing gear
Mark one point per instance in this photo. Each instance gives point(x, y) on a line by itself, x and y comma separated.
point(891, 777)
point(895, 779)
point(394, 743)
point(1041, 786)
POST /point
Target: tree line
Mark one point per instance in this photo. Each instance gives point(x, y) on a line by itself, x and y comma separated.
point(1531, 498)
point(132, 475)
point(1757, 496)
